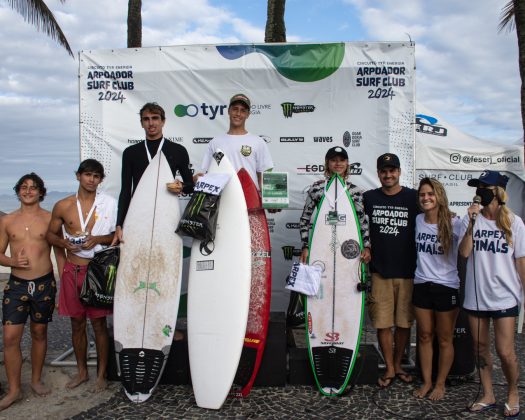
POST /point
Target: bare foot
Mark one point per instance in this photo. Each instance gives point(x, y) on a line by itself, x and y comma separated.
point(76, 381)
point(437, 393)
point(10, 399)
point(100, 385)
point(40, 389)
point(423, 391)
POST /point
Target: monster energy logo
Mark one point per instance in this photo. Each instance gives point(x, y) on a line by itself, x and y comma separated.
point(290, 251)
point(290, 108)
point(151, 286)
point(191, 227)
point(110, 275)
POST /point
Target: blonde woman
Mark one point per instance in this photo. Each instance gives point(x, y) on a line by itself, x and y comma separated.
point(494, 243)
point(436, 283)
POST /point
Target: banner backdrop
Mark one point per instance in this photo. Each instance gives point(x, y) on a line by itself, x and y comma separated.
point(305, 98)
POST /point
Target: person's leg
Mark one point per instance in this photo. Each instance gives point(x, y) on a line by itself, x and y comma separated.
point(38, 356)
point(505, 348)
point(404, 316)
point(401, 339)
point(102, 344)
point(79, 339)
point(425, 337)
point(13, 363)
point(381, 310)
point(385, 339)
point(479, 328)
point(445, 323)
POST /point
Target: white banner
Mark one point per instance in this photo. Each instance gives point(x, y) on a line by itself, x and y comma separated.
point(305, 99)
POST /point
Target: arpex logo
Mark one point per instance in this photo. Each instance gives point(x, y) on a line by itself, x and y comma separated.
point(193, 110)
point(290, 108)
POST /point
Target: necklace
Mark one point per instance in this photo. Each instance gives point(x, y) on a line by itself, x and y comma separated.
point(28, 226)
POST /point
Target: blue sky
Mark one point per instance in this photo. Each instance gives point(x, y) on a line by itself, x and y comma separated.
point(467, 72)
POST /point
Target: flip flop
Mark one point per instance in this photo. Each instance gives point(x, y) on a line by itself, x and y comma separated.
point(388, 379)
point(483, 407)
point(509, 409)
point(405, 377)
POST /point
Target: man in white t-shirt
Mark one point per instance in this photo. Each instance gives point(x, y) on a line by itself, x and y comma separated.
point(244, 150)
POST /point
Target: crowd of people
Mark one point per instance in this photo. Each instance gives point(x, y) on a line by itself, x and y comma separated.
point(410, 239)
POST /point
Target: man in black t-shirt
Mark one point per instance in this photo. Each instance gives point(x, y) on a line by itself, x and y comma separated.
point(392, 211)
point(136, 158)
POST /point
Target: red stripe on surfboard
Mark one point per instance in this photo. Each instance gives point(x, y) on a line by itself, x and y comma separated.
point(260, 293)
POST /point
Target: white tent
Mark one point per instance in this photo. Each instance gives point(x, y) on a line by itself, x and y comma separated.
point(453, 157)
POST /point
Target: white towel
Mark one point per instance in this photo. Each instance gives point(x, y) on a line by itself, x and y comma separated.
point(304, 279)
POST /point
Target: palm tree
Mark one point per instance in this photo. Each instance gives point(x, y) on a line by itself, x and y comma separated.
point(37, 13)
point(275, 28)
point(134, 24)
point(513, 15)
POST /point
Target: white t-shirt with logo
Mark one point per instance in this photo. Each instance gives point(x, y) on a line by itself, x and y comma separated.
point(494, 284)
point(244, 151)
point(432, 264)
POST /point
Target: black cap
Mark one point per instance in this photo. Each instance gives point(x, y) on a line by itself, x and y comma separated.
point(336, 151)
point(242, 98)
point(493, 178)
point(386, 160)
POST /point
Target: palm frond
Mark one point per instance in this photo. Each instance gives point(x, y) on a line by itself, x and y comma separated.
point(38, 14)
point(506, 21)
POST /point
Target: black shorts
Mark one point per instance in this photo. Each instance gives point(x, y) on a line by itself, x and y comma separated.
point(434, 296)
point(29, 297)
point(500, 313)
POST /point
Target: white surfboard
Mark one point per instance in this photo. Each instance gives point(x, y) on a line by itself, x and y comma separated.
point(334, 315)
point(219, 295)
point(148, 282)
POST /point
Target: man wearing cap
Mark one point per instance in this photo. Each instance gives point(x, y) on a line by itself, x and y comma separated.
point(493, 240)
point(244, 150)
point(392, 211)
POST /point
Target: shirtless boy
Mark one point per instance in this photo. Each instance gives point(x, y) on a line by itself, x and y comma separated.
point(82, 224)
point(31, 288)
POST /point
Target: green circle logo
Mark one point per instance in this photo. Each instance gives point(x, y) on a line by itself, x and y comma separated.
point(180, 110)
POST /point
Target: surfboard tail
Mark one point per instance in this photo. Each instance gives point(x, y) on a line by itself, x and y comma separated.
point(332, 367)
point(140, 371)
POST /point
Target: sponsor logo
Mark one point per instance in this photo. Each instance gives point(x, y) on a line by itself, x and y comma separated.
point(310, 323)
point(291, 139)
point(350, 249)
point(175, 139)
point(427, 125)
point(292, 225)
point(193, 110)
point(290, 108)
point(355, 169)
point(261, 254)
point(332, 336)
point(346, 138)
point(201, 140)
point(246, 150)
point(323, 140)
point(290, 251)
point(251, 340)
